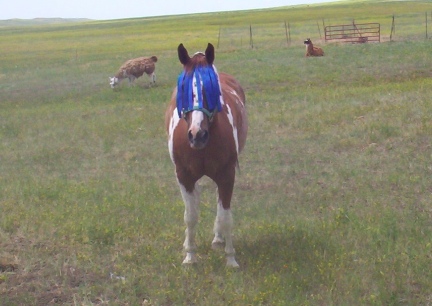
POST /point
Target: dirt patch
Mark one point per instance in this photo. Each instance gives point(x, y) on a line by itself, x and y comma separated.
point(29, 281)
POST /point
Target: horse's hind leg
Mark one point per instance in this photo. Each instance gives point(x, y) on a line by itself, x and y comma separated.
point(191, 200)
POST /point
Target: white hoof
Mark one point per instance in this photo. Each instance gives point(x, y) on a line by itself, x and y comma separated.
point(190, 259)
point(231, 262)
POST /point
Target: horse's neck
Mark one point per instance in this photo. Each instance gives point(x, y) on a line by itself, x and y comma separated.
point(309, 47)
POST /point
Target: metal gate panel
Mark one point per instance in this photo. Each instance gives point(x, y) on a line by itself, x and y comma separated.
point(353, 33)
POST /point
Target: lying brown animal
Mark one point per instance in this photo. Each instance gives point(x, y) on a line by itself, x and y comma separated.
point(311, 50)
point(134, 68)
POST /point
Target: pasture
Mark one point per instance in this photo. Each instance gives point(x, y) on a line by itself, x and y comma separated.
point(332, 204)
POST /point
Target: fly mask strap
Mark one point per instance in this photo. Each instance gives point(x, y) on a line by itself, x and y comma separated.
point(209, 114)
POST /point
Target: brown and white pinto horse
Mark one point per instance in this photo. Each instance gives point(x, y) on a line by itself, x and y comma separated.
point(207, 126)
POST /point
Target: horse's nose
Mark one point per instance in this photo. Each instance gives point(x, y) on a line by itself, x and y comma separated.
point(199, 140)
point(190, 136)
point(202, 136)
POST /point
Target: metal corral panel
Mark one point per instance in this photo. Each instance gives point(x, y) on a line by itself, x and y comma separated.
point(353, 33)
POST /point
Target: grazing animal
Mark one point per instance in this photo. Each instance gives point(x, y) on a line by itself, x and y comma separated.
point(134, 68)
point(311, 50)
point(207, 126)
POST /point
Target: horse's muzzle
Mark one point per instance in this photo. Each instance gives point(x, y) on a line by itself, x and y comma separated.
point(199, 140)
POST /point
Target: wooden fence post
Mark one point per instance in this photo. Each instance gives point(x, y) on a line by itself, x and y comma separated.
point(250, 38)
point(287, 34)
point(218, 37)
point(392, 28)
point(324, 30)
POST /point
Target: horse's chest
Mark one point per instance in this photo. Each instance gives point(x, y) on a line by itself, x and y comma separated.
point(208, 161)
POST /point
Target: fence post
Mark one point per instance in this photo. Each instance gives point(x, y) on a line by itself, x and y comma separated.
point(392, 28)
point(319, 30)
point(218, 37)
point(289, 33)
point(288, 38)
point(379, 32)
point(250, 38)
point(324, 30)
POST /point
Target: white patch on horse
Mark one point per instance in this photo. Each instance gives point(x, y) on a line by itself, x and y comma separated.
point(233, 92)
point(172, 126)
point(222, 100)
point(235, 134)
point(191, 200)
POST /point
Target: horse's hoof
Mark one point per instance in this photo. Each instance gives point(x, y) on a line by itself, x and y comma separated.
point(190, 259)
point(232, 263)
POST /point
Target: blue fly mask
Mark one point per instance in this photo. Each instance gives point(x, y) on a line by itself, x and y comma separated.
point(210, 91)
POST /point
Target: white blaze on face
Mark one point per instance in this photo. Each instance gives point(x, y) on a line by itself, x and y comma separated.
point(196, 116)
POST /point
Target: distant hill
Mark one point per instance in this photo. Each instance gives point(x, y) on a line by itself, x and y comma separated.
point(39, 21)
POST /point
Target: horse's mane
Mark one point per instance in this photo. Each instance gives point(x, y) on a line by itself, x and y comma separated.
point(210, 80)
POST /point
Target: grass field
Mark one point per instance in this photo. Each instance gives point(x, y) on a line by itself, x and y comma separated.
point(332, 205)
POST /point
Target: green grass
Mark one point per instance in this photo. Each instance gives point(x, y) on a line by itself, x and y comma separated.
point(332, 205)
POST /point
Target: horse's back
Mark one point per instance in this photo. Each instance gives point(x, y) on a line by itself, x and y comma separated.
point(233, 84)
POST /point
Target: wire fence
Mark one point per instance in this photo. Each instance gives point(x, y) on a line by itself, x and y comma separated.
point(406, 27)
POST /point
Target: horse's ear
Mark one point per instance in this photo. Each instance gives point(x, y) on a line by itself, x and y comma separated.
point(183, 54)
point(209, 54)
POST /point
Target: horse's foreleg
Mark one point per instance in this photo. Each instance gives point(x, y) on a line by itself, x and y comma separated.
point(191, 200)
point(223, 231)
point(224, 221)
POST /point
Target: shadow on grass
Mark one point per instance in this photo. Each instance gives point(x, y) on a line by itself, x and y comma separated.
point(295, 251)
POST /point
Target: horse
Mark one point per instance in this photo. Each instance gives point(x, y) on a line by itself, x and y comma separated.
point(311, 50)
point(207, 125)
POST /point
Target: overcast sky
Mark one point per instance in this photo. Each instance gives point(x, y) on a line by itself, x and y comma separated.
point(118, 9)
